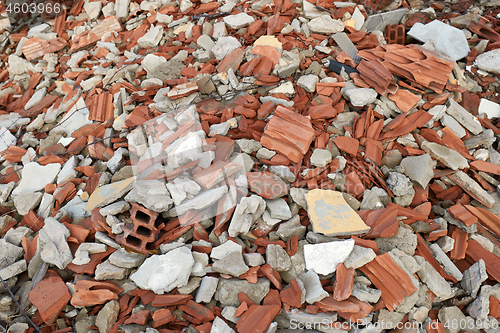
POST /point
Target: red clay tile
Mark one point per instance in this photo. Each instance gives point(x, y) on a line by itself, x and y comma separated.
point(389, 278)
point(344, 280)
point(50, 296)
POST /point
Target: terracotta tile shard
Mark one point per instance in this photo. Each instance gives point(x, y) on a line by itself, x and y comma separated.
point(288, 133)
point(390, 279)
point(458, 212)
point(197, 310)
point(257, 318)
point(330, 304)
point(35, 47)
point(182, 90)
point(404, 99)
point(486, 218)
point(485, 167)
point(476, 251)
point(86, 38)
point(347, 144)
point(330, 214)
point(292, 295)
point(378, 77)
point(50, 296)
point(100, 106)
point(162, 317)
point(232, 60)
point(94, 292)
point(413, 62)
point(344, 280)
point(168, 300)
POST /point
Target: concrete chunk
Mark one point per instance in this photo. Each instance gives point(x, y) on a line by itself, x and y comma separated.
point(207, 289)
point(314, 290)
point(277, 258)
point(473, 277)
point(445, 155)
point(359, 257)
point(436, 283)
point(231, 264)
point(463, 117)
point(323, 258)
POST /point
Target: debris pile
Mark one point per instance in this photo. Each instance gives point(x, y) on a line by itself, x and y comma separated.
point(261, 166)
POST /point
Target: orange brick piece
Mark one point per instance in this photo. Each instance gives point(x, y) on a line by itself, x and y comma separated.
point(50, 296)
point(344, 280)
point(458, 212)
point(289, 133)
point(390, 279)
point(142, 232)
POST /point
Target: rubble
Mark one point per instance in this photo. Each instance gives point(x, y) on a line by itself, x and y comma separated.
point(245, 167)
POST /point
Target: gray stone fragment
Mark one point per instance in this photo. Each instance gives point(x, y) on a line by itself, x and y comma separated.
point(448, 265)
point(463, 117)
point(298, 196)
point(365, 293)
point(122, 258)
point(359, 257)
point(231, 264)
point(314, 290)
point(228, 290)
point(298, 264)
point(290, 228)
point(479, 309)
point(401, 187)
point(115, 208)
point(390, 318)
point(277, 258)
point(222, 250)
point(25, 202)
point(445, 155)
point(254, 259)
point(311, 320)
point(107, 316)
point(15, 235)
point(308, 82)
point(466, 182)
point(224, 46)
point(192, 285)
point(52, 243)
point(14, 269)
point(228, 313)
point(323, 258)
point(361, 96)
point(473, 277)
point(405, 240)
point(436, 283)
point(9, 254)
point(278, 209)
point(34, 177)
point(321, 157)
point(108, 271)
point(219, 325)
point(451, 315)
point(162, 273)
point(485, 139)
point(420, 169)
point(446, 38)
point(246, 213)
point(207, 289)
point(489, 61)
point(283, 172)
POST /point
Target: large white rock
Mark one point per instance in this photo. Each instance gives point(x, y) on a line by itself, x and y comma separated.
point(35, 176)
point(52, 243)
point(325, 25)
point(489, 61)
point(361, 96)
point(162, 273)
point(323, 258)
point(446, 39)
point(151, 38)
point(6, 139)
point(238, 21)
point(224, 46)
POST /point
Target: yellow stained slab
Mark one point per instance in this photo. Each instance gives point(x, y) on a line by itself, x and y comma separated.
point(269, 41)
point(183, 28)
point(107, 194)
point(350, 23)
point(331, 215)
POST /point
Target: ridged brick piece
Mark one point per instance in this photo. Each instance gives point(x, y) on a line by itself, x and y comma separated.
point(390, 279)
point(143, 231)
point(395, 34)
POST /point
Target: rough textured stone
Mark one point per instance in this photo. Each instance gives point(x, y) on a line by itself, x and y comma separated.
point(473, 277)
point(489, 61)
point(277, 258)
point(162, 273)
point(323, 258)
point(445, 155)
point(107, 316)
point(419, 169)
point(361, 96)
point(231, 264)
point(228, 290)
point(436, 283)
point(314, 290)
